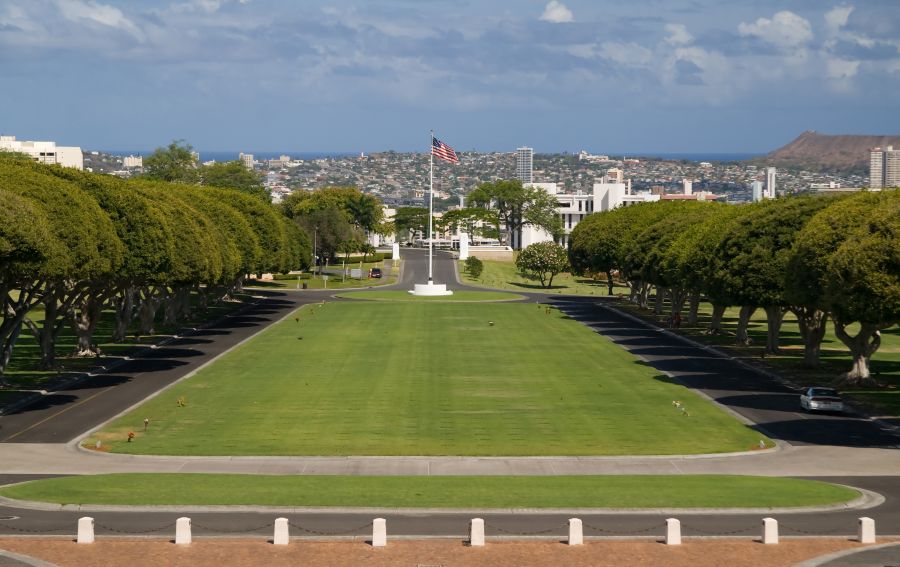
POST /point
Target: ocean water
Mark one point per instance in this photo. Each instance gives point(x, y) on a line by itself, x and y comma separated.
point(260, 156)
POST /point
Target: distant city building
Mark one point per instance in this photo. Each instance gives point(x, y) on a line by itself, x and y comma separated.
point(688, 186)
point(756, 189)
point(45, 152)
point(770, 182)
point(884, 167)
point(614, 175)
point(133, 161)
point(524, 165)
point(246, 159)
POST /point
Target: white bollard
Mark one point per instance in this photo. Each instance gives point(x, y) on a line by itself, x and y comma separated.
point(379, 532)
point(281, 536)
point(673, 531)
point(770, 531)
point(183, 531)
point(866, 530)
point(576, 534)
point(85, 530)
point(476, 532)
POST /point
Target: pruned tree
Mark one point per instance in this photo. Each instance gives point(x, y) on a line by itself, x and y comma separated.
point(543, 260)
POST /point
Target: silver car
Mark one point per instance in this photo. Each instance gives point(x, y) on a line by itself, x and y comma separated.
point(818, 398)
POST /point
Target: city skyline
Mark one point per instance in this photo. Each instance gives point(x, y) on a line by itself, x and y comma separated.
point(269, 75)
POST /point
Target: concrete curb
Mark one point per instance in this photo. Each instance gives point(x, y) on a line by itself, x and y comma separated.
point(866, 500)
point(25, 559)
point(826, 559)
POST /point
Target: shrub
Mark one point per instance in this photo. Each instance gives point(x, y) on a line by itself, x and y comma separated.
point(474, 266)
point(544, 260)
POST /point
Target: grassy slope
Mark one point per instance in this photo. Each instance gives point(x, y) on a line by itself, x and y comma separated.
point(374, 378)
point(434, 491)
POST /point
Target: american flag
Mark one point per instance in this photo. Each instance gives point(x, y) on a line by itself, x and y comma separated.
point(442, 151)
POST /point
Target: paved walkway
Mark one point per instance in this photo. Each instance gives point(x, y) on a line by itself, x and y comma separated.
point(35, 458)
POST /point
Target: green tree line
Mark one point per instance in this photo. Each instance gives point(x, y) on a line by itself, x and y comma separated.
point(73, 244)
point(821, 258)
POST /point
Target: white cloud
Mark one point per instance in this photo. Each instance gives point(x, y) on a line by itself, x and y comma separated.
point(556, 12)
point(841, 69)
point(786, 30)
point(92, 11)
point(837, 18)
point(627, 54)
point(678, 35)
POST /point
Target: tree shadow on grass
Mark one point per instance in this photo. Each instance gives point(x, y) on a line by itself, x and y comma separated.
point(537, 286)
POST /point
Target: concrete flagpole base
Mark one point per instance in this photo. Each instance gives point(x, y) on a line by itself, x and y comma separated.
point(430, 289)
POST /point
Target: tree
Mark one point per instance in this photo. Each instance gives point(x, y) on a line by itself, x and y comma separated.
point(474, 221)
point(863, 279)
point(174, 163)
point(474, 266)
point(233, 175)
point(752, 257)
point(518, 206)
point(330, 229)
point(544, 260)
point(363, 211)
point(408, 219)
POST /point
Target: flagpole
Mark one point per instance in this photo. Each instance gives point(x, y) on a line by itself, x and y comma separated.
point(430, 204)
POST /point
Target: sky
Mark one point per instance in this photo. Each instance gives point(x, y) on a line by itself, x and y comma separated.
point(488, 75)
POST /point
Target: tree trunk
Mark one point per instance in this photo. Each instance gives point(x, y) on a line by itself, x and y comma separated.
point(740, 336)
point(12, 316)
point(862, 347)
point(812, 324)
point(774, 318)
point(695, 307)
point(644, 297)
point(150, 302)
point(609, 283)
point(715, 322)
point(124, 307)
point(659, 300)
point(84, 321)
point(677, 296)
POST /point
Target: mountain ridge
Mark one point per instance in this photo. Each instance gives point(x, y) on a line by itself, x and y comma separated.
point(827, 152)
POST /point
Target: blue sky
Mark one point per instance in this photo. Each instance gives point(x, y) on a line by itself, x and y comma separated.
point(341, 75)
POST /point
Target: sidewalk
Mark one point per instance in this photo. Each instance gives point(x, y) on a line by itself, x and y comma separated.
point(39, 458)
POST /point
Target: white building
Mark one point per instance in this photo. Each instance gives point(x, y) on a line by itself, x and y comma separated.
point(572, 208)
point(45, 152)
point(246, 159)
point(770, 183)
point(133, 161)
point(884, 168)
point(525, 165)
point(756, 189)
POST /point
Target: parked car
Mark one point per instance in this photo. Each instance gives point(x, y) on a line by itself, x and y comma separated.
point(818, 398)
point(375, 273)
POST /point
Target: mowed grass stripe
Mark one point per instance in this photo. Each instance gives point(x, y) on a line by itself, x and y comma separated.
point(701, 491)
point(428, 379)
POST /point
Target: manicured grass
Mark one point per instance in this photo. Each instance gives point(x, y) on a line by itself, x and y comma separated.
point(704, 491)
point(463, 295)
point(500, 274)
point(382, 378)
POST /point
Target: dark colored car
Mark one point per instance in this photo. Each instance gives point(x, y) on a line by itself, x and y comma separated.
point(375, 273)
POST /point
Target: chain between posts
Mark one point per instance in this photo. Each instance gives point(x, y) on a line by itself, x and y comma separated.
point(132, 532)
point(624, 532)
point(808, 532)
point(33, 531)
point(228, 531)
point(685, 527)
point(538, 532)
point(338, 533)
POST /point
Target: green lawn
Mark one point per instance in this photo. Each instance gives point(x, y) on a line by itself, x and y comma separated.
point(499, 274)
point(463, 295)
point(414, 378)
point(704, 491)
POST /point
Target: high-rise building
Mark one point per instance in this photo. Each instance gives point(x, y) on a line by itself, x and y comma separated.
point(757, 189)
point(884, 168)
point(524, 165)
point(246, 159)
point(133, 161)
point(45, 152)
point(770, 183)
